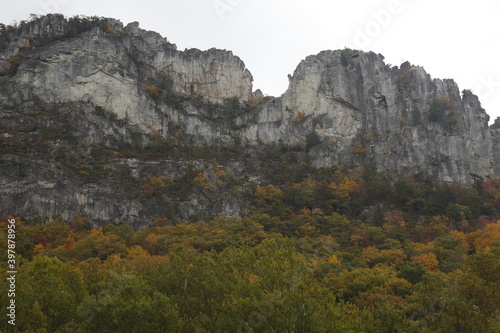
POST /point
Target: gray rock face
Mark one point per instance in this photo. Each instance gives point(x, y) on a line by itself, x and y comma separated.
point(123, 85)
point(122, 70)
point(397, 118)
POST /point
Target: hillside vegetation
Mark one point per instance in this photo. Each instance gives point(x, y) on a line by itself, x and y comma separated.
point(333, 252)
point(151, 190)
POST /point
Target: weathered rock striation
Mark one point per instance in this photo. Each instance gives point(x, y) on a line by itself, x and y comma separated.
point(397, 118)
point(73, 86)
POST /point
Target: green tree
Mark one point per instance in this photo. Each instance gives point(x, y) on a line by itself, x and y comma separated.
point(125, 303)
point(57, 231)
point(463, 301)
point(49, 293)
point(312, 139)
point(97, 244)
point(442, 110)
point(412, 272)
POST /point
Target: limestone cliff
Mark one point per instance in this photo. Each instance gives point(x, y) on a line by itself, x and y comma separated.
point(94, 112)
point(397, 118)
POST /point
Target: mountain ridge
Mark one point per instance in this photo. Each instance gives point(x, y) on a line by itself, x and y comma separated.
point(85, 87)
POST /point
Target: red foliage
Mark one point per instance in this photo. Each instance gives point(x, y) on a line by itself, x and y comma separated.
point(41, 240)
point(482, 221)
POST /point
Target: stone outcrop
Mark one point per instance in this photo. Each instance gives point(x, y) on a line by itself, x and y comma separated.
point(101, 83)
point(121, 69)
point(397, 118)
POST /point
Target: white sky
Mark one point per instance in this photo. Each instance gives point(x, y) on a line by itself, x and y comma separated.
point(450, 39)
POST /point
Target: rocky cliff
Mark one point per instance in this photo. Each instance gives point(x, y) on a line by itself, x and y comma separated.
point(398, 118)
point(112, 122)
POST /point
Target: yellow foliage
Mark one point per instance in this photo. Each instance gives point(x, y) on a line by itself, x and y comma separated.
point(462, 236)
point(16, 60)
point(221, 176)
point(109, 30)
point(179, 133)
point(253, 279)
point(299, 117)
point(347, 187)
point(160, 222)
point(113, 261)
point(254, 100)
point(438, 225)
point(357, 239)
point(202, 181)
point(305, 212)
point(394, 257)
point(69, 244)
point(136, 251)
point(150, 242)
point(428, 260)
point(423, 247)
point(334, 260)
point(306, 230)
point(218, 172)
point(398, 286)
point(391, 257)
point(447, 101)
point(96, 232)
point(155, 185)
point(159, 182)
point(38, 250)
point(268, 194)
point(151, 89)
point(328, 240)
point(307, 185)
point(359, 148)
point(343, 191)
point(488, 237)
point(369, 253)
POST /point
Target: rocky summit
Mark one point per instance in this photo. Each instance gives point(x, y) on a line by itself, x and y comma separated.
point(114, 123)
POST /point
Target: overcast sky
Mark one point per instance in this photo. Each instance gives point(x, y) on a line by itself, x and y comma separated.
point(450, 39)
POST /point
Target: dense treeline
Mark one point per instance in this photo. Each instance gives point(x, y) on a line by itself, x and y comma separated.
point(332, 252)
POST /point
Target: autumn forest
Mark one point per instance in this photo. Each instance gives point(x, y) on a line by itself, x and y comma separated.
point(333, 252)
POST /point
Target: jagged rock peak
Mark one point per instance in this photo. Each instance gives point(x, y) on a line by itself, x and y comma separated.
point(214, 74)
point(361, 109)
point(398, 118)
